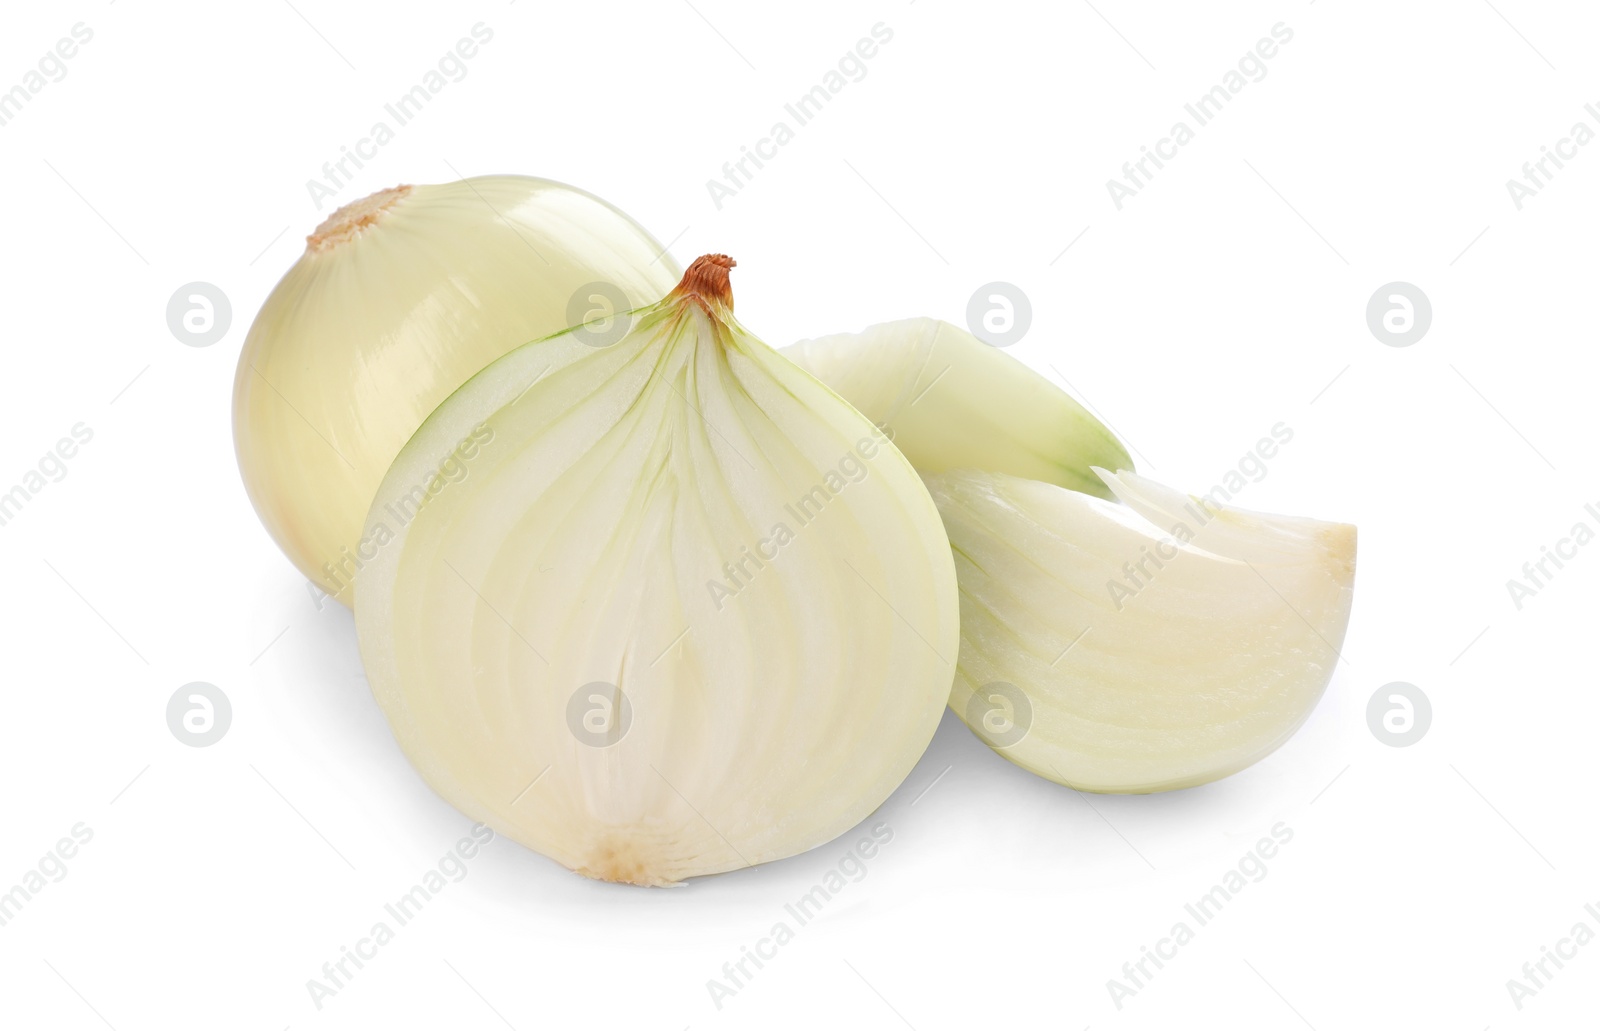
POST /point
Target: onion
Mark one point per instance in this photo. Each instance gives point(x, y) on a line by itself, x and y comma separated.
point(951, 401)
point(1137, 648)
point(682, 611)
point(399, 299)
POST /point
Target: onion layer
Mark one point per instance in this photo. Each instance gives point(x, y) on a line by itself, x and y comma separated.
point(1159, 645)
point(951, 401)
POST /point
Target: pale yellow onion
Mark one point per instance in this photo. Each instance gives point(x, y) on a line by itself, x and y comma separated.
point(951, 401)
point(1158, 644)
point(399, 299)
point(582, 560)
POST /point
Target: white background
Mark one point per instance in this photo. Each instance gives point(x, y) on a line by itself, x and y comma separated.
point(1227, 296)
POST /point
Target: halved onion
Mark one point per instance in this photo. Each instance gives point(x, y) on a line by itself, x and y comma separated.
point(661, 608)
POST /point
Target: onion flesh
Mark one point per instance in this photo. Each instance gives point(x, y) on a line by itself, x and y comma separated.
point(683, 611)
point(1159, 644)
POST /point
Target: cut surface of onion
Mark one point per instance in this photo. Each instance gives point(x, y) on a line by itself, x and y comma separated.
point(674, 609)
point(1158, 644)
point(951, 401)
point(398, 299)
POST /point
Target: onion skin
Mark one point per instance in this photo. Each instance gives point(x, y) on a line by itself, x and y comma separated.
point(398, 300)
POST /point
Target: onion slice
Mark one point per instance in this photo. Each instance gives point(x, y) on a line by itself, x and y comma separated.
point(1161, 644)
point(951, 401)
